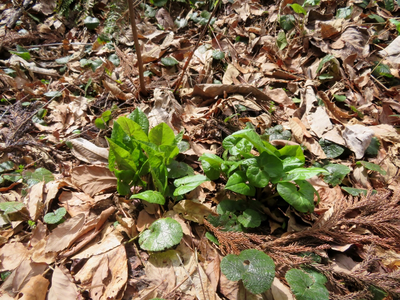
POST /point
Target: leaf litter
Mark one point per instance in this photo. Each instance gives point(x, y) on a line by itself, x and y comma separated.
point(324, 71)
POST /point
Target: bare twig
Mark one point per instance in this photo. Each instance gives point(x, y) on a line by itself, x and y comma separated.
point(178, 82)
point(142, 89)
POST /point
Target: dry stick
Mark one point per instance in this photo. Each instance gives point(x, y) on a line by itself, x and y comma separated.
point(178, 83)
point(137, 46)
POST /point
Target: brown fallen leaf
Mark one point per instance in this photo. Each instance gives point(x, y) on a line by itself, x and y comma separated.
point(62, 282)
point(35, 289)
point(93, 179)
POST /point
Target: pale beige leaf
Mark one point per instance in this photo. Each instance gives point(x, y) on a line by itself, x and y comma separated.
point(280, 291)
point(34, 200)
point(11, 255)
point(62, 288)
point(358, 138)
point(35, 289)
point(76, 203)
point(99, 276)
point(65, 234)
point(116, 91)
point(88, 152)
point(109, 239)
point(93, 179)
point(21, 275)
point(192, 211)
point(230, 75)
point(117, 261)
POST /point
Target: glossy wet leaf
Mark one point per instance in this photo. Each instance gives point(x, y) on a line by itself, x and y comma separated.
point(162, 234)
point(150, 196)
point(7, 166)
point(211, 165)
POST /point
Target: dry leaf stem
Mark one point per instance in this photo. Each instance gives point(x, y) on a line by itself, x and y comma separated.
point(142, 89)
point(178, 83)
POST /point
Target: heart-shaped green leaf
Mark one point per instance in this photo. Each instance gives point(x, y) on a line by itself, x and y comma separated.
point(91, 23)
point(302, 199)
point(162, 234)
point(55, 217)
point(254, 267)
point(306, 286)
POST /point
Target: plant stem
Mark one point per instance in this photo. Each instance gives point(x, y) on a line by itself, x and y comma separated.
point(178, 83)
point(142, 89)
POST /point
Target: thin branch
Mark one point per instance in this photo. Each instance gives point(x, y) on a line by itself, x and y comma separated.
point(142, 89)
point(178, 83)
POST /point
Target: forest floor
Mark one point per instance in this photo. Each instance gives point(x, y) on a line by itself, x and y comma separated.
point(278, 77)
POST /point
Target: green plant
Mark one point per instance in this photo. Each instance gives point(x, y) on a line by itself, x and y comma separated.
point(56, 217)
point(255, 268)
point(144, 158)
point(282, 169)
point(307, 284)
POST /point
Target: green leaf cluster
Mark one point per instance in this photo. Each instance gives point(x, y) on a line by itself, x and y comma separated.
point(143, 157)
point(284, 168)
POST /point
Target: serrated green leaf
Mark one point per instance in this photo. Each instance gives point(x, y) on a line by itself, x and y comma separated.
point(114, 59)
point(238, 183)
point(301, 199)
point(304, 286)
point(150, 196)
point(254, 267)
point(344, 13)
point(372, 167)
point(337, 173)
point(162, 234)
point(287, 22)
point(169, 61)
point(55, 217)
point(250, 218)
point(188, 183)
